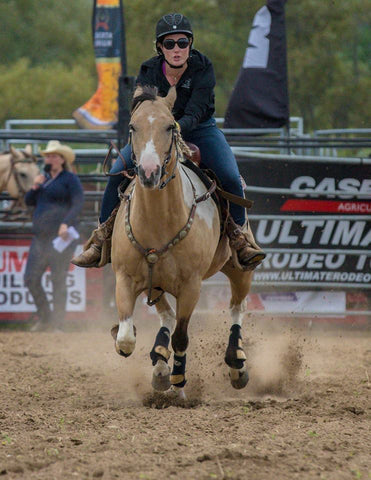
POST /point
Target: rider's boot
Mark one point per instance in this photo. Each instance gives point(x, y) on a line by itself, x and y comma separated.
point(242, 242)
point(92, 254)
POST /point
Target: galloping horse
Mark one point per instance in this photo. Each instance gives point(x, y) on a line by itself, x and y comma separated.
point(18, 169)
point(167, 238)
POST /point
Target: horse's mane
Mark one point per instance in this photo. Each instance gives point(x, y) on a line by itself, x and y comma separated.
point(148, 93)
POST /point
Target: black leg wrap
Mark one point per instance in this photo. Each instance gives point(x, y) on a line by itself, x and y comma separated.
point(235, 356)
point(160, 348)
point(178, 372)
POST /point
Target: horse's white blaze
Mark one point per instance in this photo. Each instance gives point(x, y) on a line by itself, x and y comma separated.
point(125, 336)
point(168, 320)
point(151, 119)
point(205, 210)
point(149, 158)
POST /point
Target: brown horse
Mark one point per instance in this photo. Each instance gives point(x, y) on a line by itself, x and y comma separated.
point(167, 238)
point(18, 169)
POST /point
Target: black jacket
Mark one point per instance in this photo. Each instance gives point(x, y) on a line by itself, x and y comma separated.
point(195, 90)
point(57, 201)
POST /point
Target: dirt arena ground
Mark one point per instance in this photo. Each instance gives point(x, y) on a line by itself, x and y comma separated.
point(70, 407)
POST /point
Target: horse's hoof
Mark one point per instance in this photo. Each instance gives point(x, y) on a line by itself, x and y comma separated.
point(177, 393)
point(121, 352)
point(161, 383)
point(239, 379)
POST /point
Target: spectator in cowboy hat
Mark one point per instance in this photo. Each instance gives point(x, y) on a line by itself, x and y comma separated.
point(57, 198)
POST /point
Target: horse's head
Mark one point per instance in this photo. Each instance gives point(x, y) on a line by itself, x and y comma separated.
point(23, 170)
point(152, 134)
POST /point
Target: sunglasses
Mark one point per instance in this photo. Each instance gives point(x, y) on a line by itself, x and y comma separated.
point(169, 43)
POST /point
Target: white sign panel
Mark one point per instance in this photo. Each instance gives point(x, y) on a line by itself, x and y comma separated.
point(15, 296)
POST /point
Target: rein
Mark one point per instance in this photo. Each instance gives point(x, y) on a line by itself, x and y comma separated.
point(108, 156)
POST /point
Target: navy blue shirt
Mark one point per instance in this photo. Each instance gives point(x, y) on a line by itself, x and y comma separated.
point(57, 201)
point(195, 102)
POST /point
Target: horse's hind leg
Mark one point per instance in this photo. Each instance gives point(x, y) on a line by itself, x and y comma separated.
point(124, 333)
point(160, 353)
point(235, 356)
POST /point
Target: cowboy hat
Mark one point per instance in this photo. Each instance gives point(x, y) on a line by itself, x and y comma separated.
point(54, 146)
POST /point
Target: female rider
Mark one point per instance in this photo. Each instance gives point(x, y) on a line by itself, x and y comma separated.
point(191, 72)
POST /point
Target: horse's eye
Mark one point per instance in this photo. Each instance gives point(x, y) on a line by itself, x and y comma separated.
point(170, 127)
point(23, 175)
point(131, 127)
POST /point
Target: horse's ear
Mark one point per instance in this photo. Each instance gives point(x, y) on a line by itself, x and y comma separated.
point(14, 152)
point(138, 91)
point(170, 98)
point(28, 149)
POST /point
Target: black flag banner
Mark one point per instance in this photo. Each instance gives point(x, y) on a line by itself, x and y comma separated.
point(260, 96)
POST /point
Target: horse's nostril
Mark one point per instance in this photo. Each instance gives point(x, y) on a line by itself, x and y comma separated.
point(149, 177)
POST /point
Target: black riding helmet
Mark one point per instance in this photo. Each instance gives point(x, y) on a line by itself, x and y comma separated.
point(173, 23)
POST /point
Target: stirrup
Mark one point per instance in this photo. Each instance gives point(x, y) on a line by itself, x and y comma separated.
point(253, 261)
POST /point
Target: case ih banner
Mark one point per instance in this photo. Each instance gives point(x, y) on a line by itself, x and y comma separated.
point(319, 237)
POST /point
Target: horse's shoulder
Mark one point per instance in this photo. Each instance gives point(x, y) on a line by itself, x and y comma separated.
point(192, 176)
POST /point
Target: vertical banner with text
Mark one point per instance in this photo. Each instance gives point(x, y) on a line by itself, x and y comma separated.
point(101, 110)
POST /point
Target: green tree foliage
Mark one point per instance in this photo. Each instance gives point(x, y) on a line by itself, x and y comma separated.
point(43, 92)
point(47, 63)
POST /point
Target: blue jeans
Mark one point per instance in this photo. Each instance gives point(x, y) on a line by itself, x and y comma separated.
point(216, 155)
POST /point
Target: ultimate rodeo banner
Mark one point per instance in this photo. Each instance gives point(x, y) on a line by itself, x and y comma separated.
point(321, 236)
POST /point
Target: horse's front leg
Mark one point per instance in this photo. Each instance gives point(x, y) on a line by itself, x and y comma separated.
point(235, 356)
point(160, 352)
point(124, 333)
point(186, 302)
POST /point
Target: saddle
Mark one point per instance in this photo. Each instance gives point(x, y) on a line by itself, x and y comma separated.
point(195, 153)
point(220, 196)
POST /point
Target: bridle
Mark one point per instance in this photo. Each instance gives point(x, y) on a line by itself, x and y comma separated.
point(13, 171)
point(125, 171)
point(174, 135)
